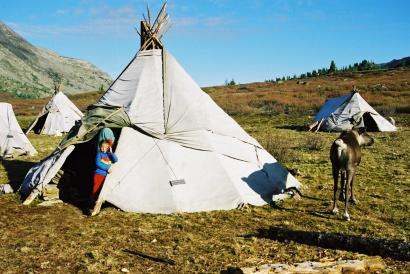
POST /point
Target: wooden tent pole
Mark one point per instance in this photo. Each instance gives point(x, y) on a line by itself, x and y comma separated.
point(144, 34)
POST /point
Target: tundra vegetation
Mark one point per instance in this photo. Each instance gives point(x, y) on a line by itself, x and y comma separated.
point(61, 239)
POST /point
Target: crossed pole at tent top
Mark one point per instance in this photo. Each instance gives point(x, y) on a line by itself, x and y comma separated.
point(151, 33)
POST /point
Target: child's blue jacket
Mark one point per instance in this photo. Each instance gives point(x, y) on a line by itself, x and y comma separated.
point(103, 162)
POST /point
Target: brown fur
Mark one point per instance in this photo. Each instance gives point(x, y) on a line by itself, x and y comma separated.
point(345, 155)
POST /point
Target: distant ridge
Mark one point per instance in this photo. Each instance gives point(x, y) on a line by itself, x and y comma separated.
point(403, 62)
point(27, 71)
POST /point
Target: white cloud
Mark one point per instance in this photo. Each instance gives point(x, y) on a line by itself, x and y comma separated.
point(95, 20)
point(62, 11)
point(195, 21)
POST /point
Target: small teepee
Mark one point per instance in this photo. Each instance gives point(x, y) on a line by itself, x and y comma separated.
point(57, 117)
point(349, 111)
point(13, 142)
point(178, 150)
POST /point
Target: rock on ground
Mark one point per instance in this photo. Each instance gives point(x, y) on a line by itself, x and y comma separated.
point(369, 264)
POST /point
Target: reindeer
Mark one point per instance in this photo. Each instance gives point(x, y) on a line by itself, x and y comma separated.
point(345, 155)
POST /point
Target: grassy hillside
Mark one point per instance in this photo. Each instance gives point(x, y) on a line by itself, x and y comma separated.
point(61, 239)
point(387, 91)
point(27, 71)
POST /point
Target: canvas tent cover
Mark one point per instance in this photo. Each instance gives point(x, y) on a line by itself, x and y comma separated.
point(58, 116)
point(345, 112)
point(178, 151)
point(13, 142)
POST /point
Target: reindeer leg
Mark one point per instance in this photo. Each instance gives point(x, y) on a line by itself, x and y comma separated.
point(335, 210)
point(352, 197)
point(349, 176)
point(342, 185)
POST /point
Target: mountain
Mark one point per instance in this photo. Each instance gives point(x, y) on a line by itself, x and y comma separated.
point(27, 71)
point(403, 62)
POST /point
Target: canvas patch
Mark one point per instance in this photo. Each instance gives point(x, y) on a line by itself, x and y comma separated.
point(177, 182)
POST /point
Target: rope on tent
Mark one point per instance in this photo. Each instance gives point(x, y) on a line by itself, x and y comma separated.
point(105, 119)
point(165, 159)
point(95, 126)
point(126, 172)
point(101, 200)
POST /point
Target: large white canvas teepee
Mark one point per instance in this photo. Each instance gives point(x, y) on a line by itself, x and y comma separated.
point(348, 111)
point(13, 142)
point(178, 150)
point(191, 155)
point(58, 116)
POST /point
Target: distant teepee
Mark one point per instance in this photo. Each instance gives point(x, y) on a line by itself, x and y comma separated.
point(13, 142)
point(178, 150)
point(349, 111)
point(57, 117)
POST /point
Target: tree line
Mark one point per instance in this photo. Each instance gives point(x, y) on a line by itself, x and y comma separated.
point(364, 65)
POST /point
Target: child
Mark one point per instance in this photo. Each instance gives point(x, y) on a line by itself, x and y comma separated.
point(103, 161)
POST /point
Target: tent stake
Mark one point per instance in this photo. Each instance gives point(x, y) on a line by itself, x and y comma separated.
point(97, 207)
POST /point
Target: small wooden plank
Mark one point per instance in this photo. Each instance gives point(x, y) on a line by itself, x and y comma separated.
point(97, 207)
point(33, 195)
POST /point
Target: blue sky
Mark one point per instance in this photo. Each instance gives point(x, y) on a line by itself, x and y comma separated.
point(216, 40)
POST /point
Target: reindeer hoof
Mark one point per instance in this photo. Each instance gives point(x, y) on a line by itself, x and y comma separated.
point(335, 210)
point(346, 216)
point(353, 201)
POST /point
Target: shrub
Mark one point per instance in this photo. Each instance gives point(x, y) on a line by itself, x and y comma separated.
point(237, 108)
point(266, 105)
point(403, 109)
point(280, 148)
point(314, 142)
point(243, 89)
point(386, 110)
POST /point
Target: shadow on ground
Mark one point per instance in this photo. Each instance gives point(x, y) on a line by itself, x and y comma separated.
point(149, 257)
point(321, 214)
point(394, 249)
point(262, 183)
point(293, 127)
point(16, 171)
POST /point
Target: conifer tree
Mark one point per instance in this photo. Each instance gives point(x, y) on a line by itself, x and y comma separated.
point(332, 67)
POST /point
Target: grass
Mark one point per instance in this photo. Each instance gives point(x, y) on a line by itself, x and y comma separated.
point(61, 239)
